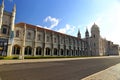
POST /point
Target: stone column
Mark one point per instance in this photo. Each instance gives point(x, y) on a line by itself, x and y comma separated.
point(9, 51)
point(23, 50)
point(24, 38)
point(52, 52)
point(44, 45)
point(1, 14)
point(34, 51)
point(59, 52)
point(35, 40)
point(64, 52)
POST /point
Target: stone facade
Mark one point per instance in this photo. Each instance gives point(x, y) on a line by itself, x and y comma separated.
point(30, 40)
point(36, 41)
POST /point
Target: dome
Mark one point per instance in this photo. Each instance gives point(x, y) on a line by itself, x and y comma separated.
point(94, 27)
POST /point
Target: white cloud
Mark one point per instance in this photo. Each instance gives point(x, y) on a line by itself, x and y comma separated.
point(39, 26)
point(68, 29)
point(109, 22)
point(42, 26)
point(54, 21)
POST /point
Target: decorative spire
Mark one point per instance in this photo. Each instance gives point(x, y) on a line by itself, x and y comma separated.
point(79, 35)
point(14, 8)
point(87, 30)
point(2, 3)
point(87, 33)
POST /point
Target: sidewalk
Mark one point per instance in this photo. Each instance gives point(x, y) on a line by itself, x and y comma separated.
point(112, 73)
point(47, 60)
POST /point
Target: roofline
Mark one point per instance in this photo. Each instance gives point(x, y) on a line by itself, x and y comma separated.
point(45, 29)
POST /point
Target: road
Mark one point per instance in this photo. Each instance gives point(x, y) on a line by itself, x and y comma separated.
point(62, 70)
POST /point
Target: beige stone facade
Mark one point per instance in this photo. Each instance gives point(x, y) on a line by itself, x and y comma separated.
point(30, 40)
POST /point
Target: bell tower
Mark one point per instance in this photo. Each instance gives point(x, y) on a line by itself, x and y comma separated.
point(11, 39)
point(95, 35)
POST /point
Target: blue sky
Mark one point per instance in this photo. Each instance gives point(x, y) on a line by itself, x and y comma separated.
point(67, 16)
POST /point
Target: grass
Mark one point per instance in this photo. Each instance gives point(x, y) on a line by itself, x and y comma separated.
point(9, 58)
point(40, 57)
point(53, 57)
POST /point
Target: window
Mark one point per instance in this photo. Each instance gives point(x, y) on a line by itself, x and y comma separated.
point(55, 40)
point(47, 51)
point(17, 33)
point(38, 51)
point(16, 50)
point(29, 35)
point(4, 31)
point(28, 50)
point(48, 39)
point(94, 36)
point(62, 40)
point(62, 52)
point(39, 37)
point(55, 51)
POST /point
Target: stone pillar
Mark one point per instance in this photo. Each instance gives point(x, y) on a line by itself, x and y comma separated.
point(9, 51)
point(35, 40)
point(34, 53)
point(11, 36)
point(24, 38)
point(59, 52)
point(1, 14)
point(52, 52)
point(64, 52)
point(23, 50)
point(44, 44)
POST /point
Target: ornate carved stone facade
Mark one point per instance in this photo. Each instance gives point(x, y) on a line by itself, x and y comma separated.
point(29, 40)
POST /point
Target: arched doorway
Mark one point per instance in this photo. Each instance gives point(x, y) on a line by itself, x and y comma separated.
point(72, 53)
point(67, 52)
point(55, 51)
point(38, 51)
point(62, 53)
point(28, 50)
point(47, 51)
point(16, 50)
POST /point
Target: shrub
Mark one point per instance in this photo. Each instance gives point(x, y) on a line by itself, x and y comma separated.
point(11, 57)
point(1, 57)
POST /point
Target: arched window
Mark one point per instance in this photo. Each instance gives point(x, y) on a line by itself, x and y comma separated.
point(4, 29)
point(17, 33)
point(48, 38)
point(55, 40)
point(28, 50)
point(39, 37)
point(62, 53)
point(67, 52)
point(38, 51)
point(16, 50)
point(29, 35)
point(47, 51)
point(55, 51)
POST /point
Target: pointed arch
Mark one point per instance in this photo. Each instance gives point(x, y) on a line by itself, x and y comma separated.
point(48, 51)
point(28, 50)
point(16, 50)
point(38, 51)
point(55, 51)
